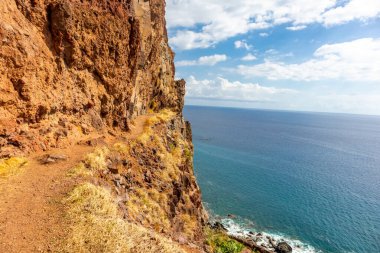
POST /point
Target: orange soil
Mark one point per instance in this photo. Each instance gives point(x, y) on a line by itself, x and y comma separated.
point(31, 210)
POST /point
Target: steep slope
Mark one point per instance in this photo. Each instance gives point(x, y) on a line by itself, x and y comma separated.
point(88, 72)
point(68, 68)
point(144, 175)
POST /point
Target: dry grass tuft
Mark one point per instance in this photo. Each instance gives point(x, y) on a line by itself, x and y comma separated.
point(97, 159)
point(11, 166)
point(93, 162)
point(80, 171)
point(163, 116)
point(190, 224)
point(122, 148)
point(148, 205)
point(90, 199)
point(96, 226)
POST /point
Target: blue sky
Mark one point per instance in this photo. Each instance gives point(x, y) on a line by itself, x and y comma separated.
point(279, 54)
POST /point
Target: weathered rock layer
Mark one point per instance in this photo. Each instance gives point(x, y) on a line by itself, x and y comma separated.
point(72, 67)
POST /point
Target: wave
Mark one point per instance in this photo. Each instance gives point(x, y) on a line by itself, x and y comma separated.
point(244, 228)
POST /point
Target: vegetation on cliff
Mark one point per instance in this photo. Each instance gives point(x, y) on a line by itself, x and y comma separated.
point(11, 166)
point(218, 241)
point(152, 185)
point(98, 227)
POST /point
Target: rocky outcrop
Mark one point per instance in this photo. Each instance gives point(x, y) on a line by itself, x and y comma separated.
point(154, 180)
point(283, 247)
point(70, 68)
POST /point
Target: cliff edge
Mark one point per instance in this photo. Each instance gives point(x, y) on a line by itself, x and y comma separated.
point(95, 155)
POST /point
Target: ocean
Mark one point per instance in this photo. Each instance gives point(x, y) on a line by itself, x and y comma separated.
point(310, 178)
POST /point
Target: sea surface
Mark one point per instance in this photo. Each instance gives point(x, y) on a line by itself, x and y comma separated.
point(311, 178)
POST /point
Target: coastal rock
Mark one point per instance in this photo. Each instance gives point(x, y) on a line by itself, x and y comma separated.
point(219, 226)
point(283, 247)
point(252, 244)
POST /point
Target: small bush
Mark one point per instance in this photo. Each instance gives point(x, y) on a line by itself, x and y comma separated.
point(11, 166)
point(221, 243)
point(188, 154)
point(228, 246)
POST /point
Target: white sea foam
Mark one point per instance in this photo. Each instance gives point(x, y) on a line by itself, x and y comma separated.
point(263, 238)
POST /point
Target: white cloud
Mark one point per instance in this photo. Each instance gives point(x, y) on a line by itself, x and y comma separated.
point(249, 57)
point(264, 34)
point(204, 23)
point(296, 28)
point(357, 60)
point(204, 60)
point(242, 44)
point(223, 89)
point(354, 9)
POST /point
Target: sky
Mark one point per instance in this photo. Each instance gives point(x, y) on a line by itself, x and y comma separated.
point(301, 55)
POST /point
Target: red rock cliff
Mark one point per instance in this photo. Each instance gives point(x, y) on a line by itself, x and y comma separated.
point(72, 67)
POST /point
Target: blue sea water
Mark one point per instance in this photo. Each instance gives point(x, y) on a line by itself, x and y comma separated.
point(309, 177)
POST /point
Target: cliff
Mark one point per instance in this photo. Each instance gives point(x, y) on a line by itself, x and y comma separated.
point(68, 68)
point(77, 73)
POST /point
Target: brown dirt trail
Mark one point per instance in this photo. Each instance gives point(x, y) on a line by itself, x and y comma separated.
point(31, 210)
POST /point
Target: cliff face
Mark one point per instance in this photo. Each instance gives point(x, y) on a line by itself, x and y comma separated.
point(154, 179)
point(71, 67)
point(78, 69)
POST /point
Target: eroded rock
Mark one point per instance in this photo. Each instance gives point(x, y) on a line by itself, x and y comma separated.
point(87, 65)
point(52, 158)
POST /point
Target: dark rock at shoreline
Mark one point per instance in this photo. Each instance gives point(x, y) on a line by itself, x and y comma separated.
point(272, 242)
point(219, 226)
point(252, 244)
point(283, 247)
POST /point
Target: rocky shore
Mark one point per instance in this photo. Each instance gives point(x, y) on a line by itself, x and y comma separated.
point(259, 241)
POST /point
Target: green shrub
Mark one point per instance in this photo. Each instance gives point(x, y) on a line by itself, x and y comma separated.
point(227, 246)
point(221, 243)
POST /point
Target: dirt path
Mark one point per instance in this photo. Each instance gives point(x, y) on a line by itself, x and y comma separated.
point(31, 209)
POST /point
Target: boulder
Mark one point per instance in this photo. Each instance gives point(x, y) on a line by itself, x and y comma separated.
point(283, 247)
point(52, 158)
point(219, 226)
